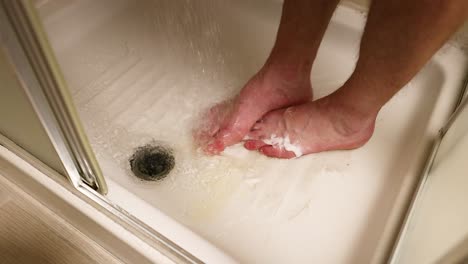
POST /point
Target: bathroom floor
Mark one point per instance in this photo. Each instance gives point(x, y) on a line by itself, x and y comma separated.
point(143, 72)
point(31, 233)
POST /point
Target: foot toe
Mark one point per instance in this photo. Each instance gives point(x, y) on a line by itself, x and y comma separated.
point(275, 152)
point(214, 147)
point(254, 144)
point(228, 137)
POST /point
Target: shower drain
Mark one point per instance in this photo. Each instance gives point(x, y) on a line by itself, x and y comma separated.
point(152, 162)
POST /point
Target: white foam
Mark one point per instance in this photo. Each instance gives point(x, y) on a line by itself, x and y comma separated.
point(284, 143)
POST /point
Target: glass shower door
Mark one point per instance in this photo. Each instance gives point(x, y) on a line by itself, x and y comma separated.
point(29, 52)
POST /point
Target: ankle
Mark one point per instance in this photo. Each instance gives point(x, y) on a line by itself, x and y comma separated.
point(287, 73)
point(349, 117)
point(357, 100)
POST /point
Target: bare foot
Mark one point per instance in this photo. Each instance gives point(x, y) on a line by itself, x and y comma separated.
point(309, 128)
point(272, 88)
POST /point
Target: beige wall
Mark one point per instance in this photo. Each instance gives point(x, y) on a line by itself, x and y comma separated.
point(18, 121)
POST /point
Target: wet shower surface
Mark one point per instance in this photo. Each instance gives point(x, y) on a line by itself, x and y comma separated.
point(143, 71)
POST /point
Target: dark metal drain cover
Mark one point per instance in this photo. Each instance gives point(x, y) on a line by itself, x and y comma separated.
point(152, 162)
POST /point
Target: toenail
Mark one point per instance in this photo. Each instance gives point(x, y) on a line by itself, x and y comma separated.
point(216, 146)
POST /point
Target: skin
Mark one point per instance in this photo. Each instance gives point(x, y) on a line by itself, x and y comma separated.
point(283, 81)
point(399, 38)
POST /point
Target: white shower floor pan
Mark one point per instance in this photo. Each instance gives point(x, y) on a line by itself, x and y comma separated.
point(142, 71)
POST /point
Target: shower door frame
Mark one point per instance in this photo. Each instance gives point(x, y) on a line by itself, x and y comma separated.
point(28, 50)
point(29, 53)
